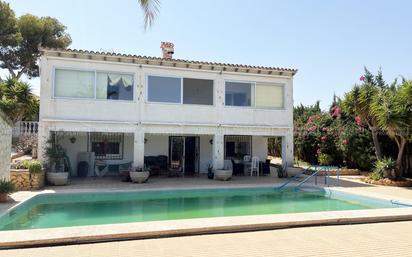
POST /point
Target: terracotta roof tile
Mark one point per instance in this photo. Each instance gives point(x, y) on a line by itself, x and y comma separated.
point(151, 58)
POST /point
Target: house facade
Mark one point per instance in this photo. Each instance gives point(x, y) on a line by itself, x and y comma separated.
point(194, 115)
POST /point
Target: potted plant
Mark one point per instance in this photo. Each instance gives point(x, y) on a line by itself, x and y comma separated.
point(36, 174)
point(223, 174)
point(54, 152)
point(139, 175)
point(210, 173)
point(6, 188)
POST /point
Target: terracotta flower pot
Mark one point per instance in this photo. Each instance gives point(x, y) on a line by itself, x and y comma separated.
point(3, 197)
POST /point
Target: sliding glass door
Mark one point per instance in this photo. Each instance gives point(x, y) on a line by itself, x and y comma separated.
point(184, 154)
point(176, 150)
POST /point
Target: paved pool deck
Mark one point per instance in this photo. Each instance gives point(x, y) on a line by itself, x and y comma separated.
point(143, 230)
point(379, 240)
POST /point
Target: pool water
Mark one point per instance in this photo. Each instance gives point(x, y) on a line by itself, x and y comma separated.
point(63, 210)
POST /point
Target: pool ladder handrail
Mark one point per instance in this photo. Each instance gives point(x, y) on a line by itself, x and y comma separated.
point(318, 169)
point(327, 176)
point(295, 177)
point(398, 203)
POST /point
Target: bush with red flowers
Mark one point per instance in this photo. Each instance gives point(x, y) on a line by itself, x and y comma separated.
point(343, 140)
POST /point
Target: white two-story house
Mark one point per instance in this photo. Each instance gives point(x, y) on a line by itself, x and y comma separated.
point(133, 109)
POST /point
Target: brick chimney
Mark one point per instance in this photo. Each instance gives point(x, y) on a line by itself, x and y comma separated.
point(167, 50)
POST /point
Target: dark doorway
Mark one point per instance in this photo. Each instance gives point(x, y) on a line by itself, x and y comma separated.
point(191, 158)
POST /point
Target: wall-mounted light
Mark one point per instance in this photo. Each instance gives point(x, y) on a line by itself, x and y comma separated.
point(72, 140)
point(211, 141)
point(145, 140)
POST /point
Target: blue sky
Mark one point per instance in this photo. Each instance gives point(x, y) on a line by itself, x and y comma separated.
point(328, 41)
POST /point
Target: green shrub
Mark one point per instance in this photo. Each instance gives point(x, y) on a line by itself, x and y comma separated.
point(325, 159)
point(375, 175)
point(319, 134)
point(18, 165)
point(356, 145)
point(6, 186)
point(383, 169)
point(34, 166)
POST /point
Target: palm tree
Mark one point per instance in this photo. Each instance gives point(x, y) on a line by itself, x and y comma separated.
point(358, 102)
point(393, 109)
point(17, 100)
point(150, 9)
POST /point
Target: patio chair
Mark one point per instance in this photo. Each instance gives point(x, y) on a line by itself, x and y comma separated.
point(101, 168)
point(175, 169)
point(254, 168)
point(162, 162)
point(238, 168)
point(265, 167)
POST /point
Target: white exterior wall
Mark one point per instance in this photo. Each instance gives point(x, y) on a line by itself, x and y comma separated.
point(73, 148)
point(140, 117)
point(260, 147)
point(5, 147)
point(156, 145)
point(206, 156)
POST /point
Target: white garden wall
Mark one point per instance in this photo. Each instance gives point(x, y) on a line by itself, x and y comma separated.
point(5, 146)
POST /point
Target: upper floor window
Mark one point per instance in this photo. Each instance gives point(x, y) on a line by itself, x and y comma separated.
point(179, 90)
point(93, 85)
point(75, 84)
point(114, 86)
point(198, 91)
point(164, 89)
point(261, 95)
point(238, 94)
point(269, 96)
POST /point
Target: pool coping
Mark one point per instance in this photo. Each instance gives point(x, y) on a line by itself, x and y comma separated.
point(197, 226)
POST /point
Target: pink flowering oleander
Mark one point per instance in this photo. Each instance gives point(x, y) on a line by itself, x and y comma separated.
point(358, 120)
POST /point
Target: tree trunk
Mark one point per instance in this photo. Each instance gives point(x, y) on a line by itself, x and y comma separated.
point(399, 159)
point(378, 151)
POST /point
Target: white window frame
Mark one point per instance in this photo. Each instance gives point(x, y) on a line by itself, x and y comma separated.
point(253, 95)
point(181, 90)
point(134, 75)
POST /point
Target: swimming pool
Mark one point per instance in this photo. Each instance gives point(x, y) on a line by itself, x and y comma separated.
point(79, 209)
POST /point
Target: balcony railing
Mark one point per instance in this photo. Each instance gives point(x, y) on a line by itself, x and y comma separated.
point(26, 128)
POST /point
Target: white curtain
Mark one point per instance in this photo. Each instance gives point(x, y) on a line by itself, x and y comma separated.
point(105, 80)
point(269, 96)
point(114, 79)
point(76, 84)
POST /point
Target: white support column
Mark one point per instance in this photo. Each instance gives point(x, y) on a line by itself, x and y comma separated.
point(42, 137)
point(218, 151)
point(138, 148)
point(287, 149)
